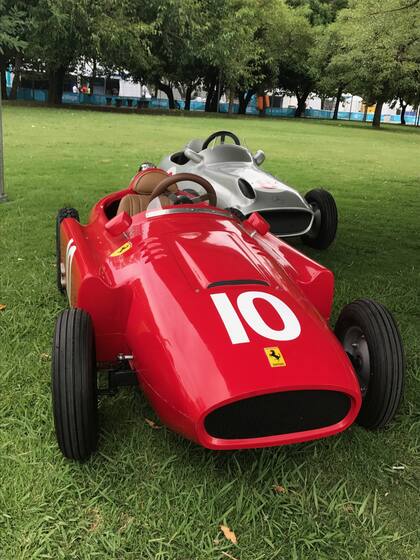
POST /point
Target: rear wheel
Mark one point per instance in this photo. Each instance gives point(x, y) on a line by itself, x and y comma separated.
point(370, 336)
point(74, 389)
point(324, 225)
point(63, 213)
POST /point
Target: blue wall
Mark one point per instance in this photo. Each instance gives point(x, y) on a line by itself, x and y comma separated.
point(41, 95)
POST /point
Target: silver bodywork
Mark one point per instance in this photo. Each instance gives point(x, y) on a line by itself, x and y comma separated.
point(240, 183)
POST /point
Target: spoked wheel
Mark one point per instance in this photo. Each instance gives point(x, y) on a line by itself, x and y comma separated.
point(63, 213)
point(74, 385)
point(324, 226)
point(371, 339)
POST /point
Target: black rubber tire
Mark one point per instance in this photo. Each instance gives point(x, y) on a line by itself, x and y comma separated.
point(74, 384)
point(327, 229)
point(386, 355)
point(62, 213)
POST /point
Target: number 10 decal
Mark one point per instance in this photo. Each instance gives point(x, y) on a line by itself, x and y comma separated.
point(234, 324)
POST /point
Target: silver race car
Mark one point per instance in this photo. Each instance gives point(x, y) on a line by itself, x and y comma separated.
point(244, 188)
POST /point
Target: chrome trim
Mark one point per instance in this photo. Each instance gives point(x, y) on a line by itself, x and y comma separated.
point(167, 211)
point(155, 213)
point(281, 208)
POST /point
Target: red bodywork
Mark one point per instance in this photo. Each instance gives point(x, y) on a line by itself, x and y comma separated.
point(192, 352)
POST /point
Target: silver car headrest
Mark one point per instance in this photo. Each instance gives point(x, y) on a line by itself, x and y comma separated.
point(196, 144)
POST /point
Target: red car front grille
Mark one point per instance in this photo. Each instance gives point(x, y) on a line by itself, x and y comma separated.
point(277, 414)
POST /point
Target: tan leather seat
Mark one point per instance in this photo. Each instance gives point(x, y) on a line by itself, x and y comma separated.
point(135, 203)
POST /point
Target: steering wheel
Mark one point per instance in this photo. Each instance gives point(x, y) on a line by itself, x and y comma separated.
point(222, 134)
point(210, 194)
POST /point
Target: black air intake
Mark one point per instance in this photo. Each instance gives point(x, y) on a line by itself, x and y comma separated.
point(246, 188)
point(287, 222)
point(277, 413)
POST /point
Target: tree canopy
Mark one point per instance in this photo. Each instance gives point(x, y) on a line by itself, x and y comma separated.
point(369, 48)
point(381, 48)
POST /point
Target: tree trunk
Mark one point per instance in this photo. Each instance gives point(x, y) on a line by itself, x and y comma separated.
point(403, 108)
point(365, 112)
point(244, 99)
point(216, 99)
point(167, 88)
point(92, 81)
point(213, 105)
point(55, 85)
point(241, 99)
point(249, 95)
point(188, 93)
point(213, 97)
point(376, 123)
point(337, 104)
point(3, 83)
point(16, 77)
point(300, 109)
point(208, 100)
point(171, 99)
point(210, 95)
point(218, 91)
point(231, 99)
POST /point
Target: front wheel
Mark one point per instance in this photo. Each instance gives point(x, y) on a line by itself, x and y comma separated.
point(74, 388)
point(325, 222)
point(371, 339)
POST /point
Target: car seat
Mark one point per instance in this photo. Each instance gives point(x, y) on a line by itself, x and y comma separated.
point(143, 188)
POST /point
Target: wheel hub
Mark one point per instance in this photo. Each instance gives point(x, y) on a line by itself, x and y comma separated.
point(356, 347)
point(316, 224)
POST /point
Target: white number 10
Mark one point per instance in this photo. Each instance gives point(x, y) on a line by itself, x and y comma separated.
point(245, 302)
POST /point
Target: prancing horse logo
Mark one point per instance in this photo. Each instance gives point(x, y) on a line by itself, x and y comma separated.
point(274, 355)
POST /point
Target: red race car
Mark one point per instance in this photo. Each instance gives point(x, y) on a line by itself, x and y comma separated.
point(222, 325)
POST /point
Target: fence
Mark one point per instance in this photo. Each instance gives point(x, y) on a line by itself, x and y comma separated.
point(41, 96)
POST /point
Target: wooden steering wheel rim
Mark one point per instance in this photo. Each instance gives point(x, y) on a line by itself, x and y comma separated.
point(177, 178)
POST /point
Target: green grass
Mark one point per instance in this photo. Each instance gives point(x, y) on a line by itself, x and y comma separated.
point(149, 494)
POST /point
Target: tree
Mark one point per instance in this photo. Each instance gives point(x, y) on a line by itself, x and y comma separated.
point(314, 68)
point(172, 60)
point(408, 87)
point(156, 43)
point(331, 70)
point(271, 20)
point(231, 46)
point(61, 34)
point(121, 42)
point(319, 12)
point(14, 22)
point(296, 73)
point(382, 45)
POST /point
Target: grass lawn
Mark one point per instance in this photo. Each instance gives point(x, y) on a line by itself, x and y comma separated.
point(149, 494)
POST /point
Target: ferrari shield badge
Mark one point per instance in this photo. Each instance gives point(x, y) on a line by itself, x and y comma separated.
point(122, 249)
point(274, 356)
